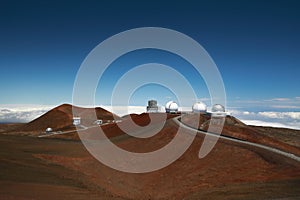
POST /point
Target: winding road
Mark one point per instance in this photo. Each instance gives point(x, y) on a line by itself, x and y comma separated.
point(179, 123)
point(271, 149)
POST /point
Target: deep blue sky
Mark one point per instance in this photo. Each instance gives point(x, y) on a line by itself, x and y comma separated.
point(255, 44)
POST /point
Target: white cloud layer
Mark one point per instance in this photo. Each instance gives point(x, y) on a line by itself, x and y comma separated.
point(270, 124)
point(21, 113)
point(125, 110)
point(273, 119)
point(281, 115)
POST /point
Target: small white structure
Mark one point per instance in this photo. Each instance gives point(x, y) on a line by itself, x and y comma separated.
point(76, 121)
point(218, 110)
point(171, 107)
point(49, 130)
point(199, 107)
point(98, 121)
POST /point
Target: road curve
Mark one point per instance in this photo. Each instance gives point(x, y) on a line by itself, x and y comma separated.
point(83, 128)
point(271, 149)
point(176, 120)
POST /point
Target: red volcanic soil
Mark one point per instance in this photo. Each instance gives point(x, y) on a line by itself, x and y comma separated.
point(145, 118)
point(41, 168)
point(281, 134)
point(61, 118)
point(9, 127)
point(24, 176)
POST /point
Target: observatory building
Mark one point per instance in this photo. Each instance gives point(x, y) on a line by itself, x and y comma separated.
point(49, 130)
point(199, 107)
point(98, 121)
point(171, 107)
point(152, 106)
point(218, 110)
point(76, 121)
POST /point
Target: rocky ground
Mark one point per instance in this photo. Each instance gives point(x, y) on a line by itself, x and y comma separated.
point(60, 167)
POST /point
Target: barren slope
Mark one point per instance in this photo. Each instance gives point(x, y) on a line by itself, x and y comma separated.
point(230, 171)
point(229, 164)
point(61, 118)
point(236, 129)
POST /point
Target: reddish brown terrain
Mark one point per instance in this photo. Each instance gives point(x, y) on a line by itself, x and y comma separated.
point(59, 167)
point(236, 129)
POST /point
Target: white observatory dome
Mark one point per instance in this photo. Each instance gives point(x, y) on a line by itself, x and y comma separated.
point(168, 104)
point(171, 106)
point(48, 130)
point(218, 108)
point(199, 107)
